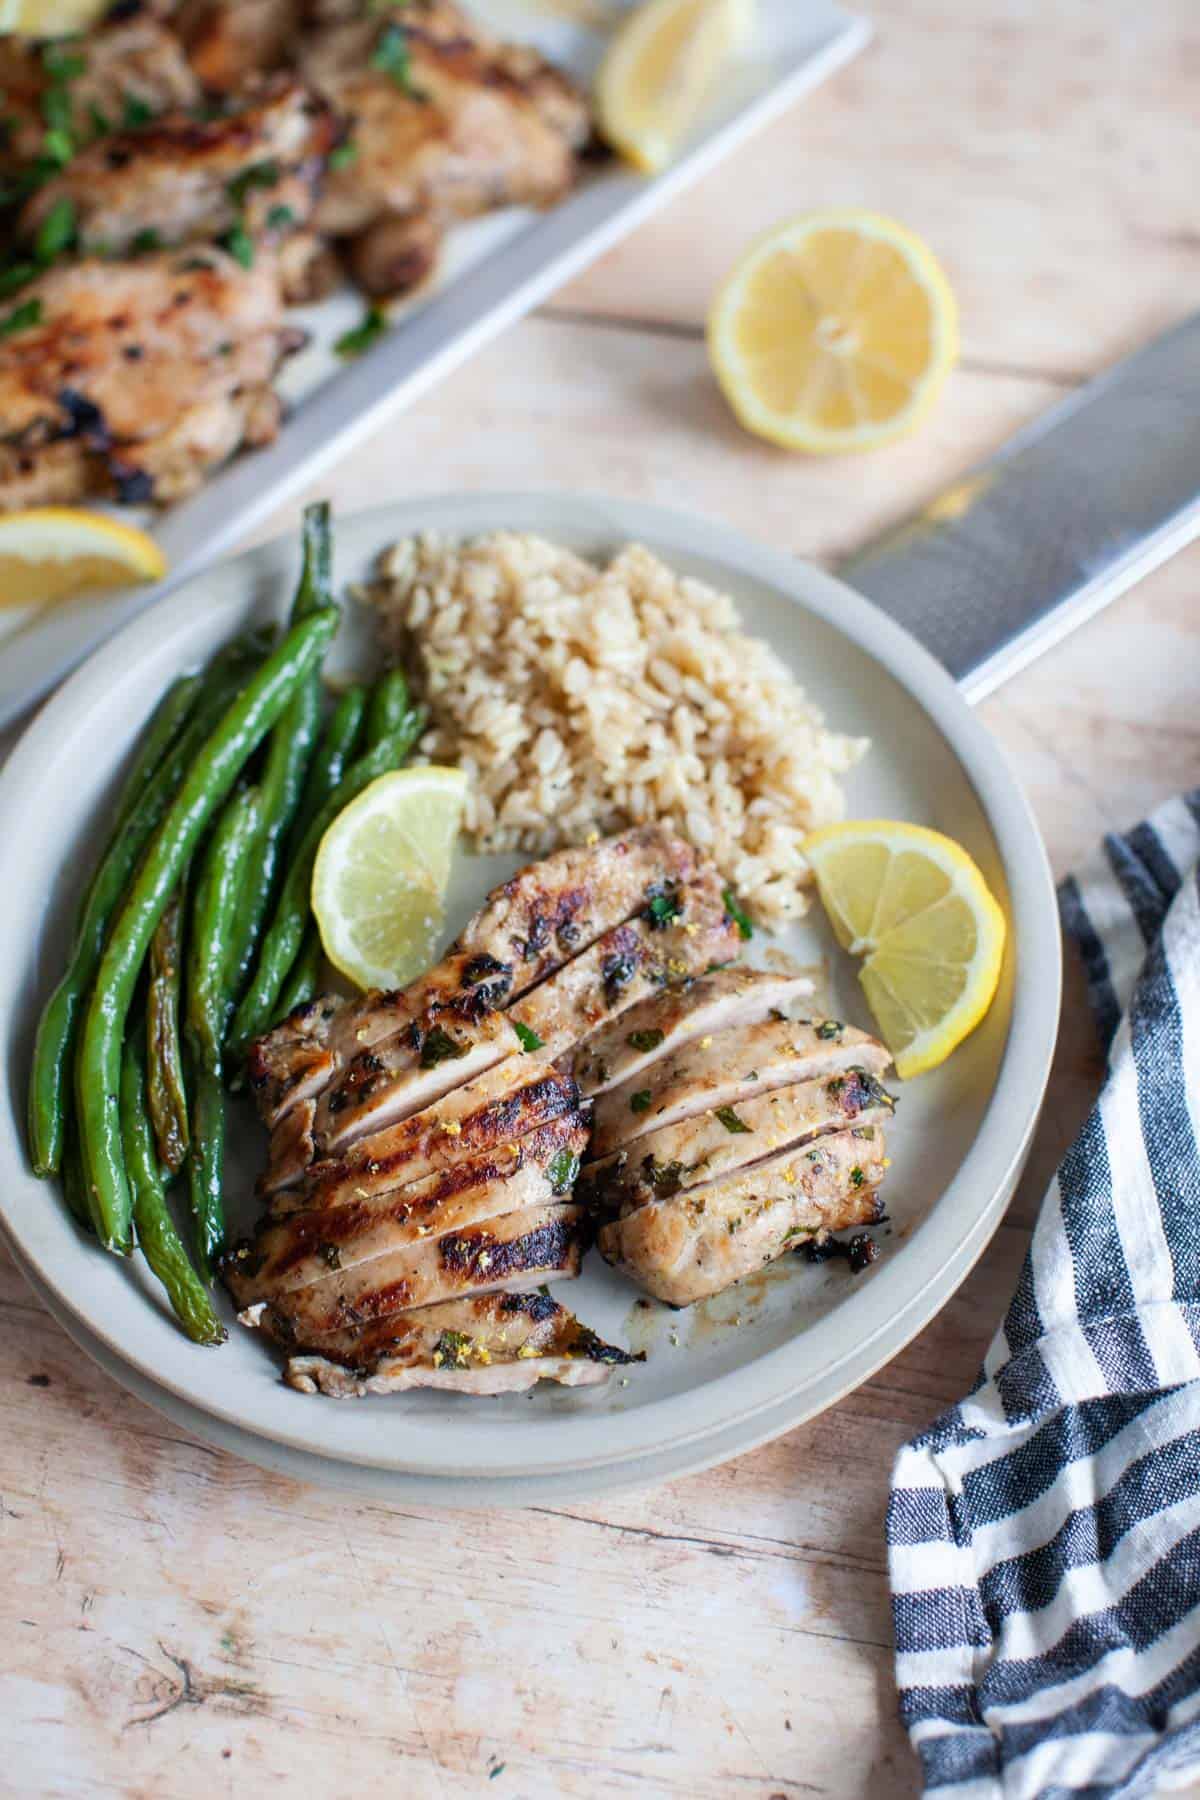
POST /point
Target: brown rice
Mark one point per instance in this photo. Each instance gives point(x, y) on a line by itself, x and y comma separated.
point(582, 699)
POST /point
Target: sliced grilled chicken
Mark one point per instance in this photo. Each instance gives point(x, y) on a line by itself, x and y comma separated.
point(708, 1146)
point(503, 1106)
point(736, 1066)
point(496, 1344)
point(447, 1046)
point(230, 43)
point(133, 69)
point(541, 1243)
point(694, 1244)
point(179, 179)
point(446, 122)
point(155, 367)
point(526, 930)
point(303, 1247)
point(659, 1026)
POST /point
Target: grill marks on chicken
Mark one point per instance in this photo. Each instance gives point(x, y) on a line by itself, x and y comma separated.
point(179, 179)
point(447, 123)
point(493, 1344)
point(694, 1244)
point(138, 377)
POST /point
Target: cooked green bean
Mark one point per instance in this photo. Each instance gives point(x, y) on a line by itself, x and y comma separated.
point(165, 1089)
point(289, 753)
point(305, 977)
point(331, 760)
point(167, 722)
point(74, 1187)
point(211, 924)
point(282, 943)
point(206, 1166)
point(388, 707)
point(157, 1237)
point(50, 1078)
point(208, 783)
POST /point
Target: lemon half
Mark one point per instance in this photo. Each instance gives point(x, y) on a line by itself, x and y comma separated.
point(381, 873)
point(663, 64)
point(915, 906)
point(51, 552)
point(835, 332)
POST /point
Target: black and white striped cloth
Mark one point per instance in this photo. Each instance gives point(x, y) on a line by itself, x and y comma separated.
point(1044, 1534)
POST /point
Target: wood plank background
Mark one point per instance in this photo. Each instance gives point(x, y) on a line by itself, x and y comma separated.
point(174, 1622)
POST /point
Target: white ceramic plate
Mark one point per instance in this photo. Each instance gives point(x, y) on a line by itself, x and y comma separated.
point(493, 271)
point(806, 1335)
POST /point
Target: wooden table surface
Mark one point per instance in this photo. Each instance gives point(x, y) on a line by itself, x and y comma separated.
point(174, 1622)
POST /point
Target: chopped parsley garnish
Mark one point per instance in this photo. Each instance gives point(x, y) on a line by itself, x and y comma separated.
point(528, 1039)
point(56, 109)
point(56, 232)
point(453, 1347)
point(829, 1028)
point(58, 147)
point(240, 245)
point(440, 1047)
point(353, 343)
point(21, 318)
point(258, 175)
point(645, 1040)
point(62, 63)
point(145, 241)
point(666, 1178)
point(279, 218)
point(390, 56)
point(640, 1102)
point(342, 155)
point(135, 112)
point(101, 123)
point(730, 1120)
point(562, 1170)
point(857, 1177)
point(738, 914)
point(14, 277)
point(663, 907)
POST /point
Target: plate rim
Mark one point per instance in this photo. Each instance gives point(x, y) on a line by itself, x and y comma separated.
point(1035, 1001)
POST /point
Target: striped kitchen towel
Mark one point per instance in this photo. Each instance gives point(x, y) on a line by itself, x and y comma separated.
point(1044, 1534)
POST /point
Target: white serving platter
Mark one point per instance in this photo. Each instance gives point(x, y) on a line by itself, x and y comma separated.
point(806, 1335)
point(494, 270)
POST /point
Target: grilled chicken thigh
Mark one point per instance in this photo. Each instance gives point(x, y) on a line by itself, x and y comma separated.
point(734, 1067)
point(135, 378)
point(231, 43)
point(181, 180)
point(446, 123)
point(494, 1344)
point(695, 1243)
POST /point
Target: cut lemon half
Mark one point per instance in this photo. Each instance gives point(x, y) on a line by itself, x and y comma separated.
point(915, 906)
point(381, 873)
point(51, 552)
point(664, 62)
point(50, 18)
point(835, 332)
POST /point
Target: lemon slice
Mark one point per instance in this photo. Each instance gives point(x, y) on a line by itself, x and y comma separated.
point(663, 63)
point(381, 873)
point(49, 18)
point(915, 905)
point(834, 332)
point(51, 552)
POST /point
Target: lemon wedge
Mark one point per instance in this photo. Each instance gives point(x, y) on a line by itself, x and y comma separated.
point(835, 332)
point(663, 63)
point(914, 904)
point(381, 873)
point(51, 552)
point(49, 18)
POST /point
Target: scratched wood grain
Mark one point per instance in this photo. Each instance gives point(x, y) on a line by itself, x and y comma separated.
point(174, 1622)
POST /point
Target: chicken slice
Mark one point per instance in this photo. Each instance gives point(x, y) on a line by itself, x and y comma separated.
point(495, 1344)
point(526, 930)
point(540, 1243)
point(289, 1253)
point(231, 42)
point(659, 1026)
point(476, 1119)
point(447, 1046)
point(696, 1243)
point(706, 1147)
point(180, 180)
point(161, 364)
point(737, 1065)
